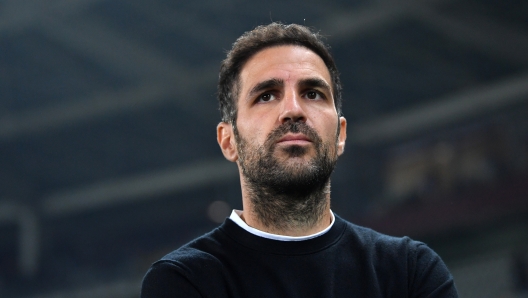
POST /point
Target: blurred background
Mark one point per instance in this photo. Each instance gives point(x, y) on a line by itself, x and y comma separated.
point(108, 153)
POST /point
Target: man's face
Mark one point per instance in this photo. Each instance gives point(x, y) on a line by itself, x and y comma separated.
point(286, 120)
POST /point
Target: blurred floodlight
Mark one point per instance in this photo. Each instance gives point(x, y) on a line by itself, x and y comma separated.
point(218, 211)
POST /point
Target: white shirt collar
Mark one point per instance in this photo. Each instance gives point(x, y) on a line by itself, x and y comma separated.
point(235, 216)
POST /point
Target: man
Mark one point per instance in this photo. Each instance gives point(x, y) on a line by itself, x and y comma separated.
point(280, 99)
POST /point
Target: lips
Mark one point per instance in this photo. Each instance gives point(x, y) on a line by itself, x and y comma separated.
point(295, 139)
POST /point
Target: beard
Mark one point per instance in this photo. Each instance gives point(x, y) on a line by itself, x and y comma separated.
point(292, 193)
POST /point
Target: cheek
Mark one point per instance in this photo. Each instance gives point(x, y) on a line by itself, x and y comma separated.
point(330, 131)
point(260, 119)
point(252, 131)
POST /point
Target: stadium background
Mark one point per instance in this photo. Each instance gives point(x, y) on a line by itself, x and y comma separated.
point(108, 154)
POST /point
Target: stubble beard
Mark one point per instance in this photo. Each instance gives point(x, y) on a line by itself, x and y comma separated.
point(293, 194)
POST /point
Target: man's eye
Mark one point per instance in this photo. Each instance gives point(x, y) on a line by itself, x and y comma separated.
point(314, 95)
point(266, 97)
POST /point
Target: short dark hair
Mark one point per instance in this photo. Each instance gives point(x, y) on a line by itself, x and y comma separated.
point(262, 37)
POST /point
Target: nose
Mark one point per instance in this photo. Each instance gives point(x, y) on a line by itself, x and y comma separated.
point(291, 108)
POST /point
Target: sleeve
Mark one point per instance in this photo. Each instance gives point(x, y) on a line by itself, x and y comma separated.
point(431, 278)
point(164, 280)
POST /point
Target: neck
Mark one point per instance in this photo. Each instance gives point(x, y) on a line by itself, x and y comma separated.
point(287, 214)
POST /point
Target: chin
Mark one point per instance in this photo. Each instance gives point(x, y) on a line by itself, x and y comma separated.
point(294, 165)
point(296, 162)
point(296, 151)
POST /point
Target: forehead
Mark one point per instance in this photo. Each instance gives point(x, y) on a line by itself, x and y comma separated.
point(289, 63)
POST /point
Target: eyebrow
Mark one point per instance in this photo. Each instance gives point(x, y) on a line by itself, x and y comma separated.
point(315, 83)
point(265, 85)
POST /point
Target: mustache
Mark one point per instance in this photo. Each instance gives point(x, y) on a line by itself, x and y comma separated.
point(292, 127)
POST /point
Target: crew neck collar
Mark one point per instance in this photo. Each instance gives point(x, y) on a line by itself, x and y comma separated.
point(266, 245)
point(236, 217)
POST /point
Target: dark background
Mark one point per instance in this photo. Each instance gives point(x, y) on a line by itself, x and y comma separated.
point(108, 153)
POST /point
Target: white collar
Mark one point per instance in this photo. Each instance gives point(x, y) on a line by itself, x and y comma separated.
point(235, 216)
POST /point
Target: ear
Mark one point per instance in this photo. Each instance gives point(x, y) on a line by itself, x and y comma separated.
point(226, 140)
point(342, 136)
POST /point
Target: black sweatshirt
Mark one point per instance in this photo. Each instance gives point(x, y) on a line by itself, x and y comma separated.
point(347, 261)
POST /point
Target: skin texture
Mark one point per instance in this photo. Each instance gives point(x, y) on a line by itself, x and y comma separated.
point(287, 113)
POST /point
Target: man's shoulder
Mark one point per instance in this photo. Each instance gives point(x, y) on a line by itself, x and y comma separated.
point(401, 260)
point(368, 235)
point(200, 248)
point(376, 241)
point(186, 271)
